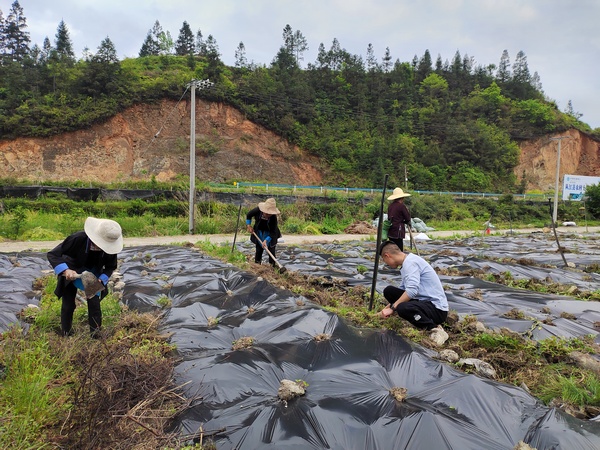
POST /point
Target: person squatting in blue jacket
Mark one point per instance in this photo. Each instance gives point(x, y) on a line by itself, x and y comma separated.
point(265, 227)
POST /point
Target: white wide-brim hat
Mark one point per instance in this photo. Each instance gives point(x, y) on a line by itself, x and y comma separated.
point(105, 233)
point(268, 206)
point(398, 193)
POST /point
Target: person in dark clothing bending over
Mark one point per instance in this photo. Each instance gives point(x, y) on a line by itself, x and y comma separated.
point(399, 216)
point(420, 299)
point(265, 227)
point(95, 250)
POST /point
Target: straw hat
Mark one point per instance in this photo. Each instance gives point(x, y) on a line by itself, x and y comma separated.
point(105, 233)
point(398, 193)
point(268, 206)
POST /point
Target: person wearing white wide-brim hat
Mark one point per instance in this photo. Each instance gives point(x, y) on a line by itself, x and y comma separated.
point(265, 227)
point(399, 215)
point(94, 250)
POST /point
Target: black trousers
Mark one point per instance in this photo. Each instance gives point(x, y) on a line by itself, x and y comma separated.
point(68, 309)
point(259, 254)
point(421, 313)
point(399, 242)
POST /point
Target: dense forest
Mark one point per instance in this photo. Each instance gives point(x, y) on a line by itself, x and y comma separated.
point(451, 125)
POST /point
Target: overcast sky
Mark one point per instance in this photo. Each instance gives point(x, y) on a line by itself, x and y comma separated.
point(559, 37)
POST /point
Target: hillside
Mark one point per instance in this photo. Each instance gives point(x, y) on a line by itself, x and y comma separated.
point(229, 148)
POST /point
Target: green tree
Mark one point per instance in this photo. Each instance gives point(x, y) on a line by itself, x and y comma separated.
point(294, 43)
point(467, 178)
point(185, 44)
point(386, 61)
point(241, 62)
point(200, 44)
point(165, 43)
point(152, 43)
point(2, 35)
point(102, 74)
point(15, 44)
point(423, 67)
point(371, 61)
point(503, 75)
point(63, 46)
point(592, 194)
point(149, 47)
point(107, 53)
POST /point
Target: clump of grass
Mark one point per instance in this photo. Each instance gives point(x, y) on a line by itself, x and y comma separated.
point(223, 252)
point(79, 392)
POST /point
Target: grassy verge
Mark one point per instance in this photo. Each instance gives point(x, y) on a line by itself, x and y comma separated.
point(55, 216)
point(115, 392)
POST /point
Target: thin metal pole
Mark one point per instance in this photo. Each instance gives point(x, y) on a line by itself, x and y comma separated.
point(192, 158)
point(379, 230)
point(194, 84)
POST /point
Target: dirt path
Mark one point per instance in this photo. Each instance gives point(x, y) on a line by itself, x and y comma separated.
point(22, 246)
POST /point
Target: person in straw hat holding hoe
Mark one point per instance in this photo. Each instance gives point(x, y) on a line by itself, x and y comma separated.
point(265, 227)
point(92, 250)
point(399, 216)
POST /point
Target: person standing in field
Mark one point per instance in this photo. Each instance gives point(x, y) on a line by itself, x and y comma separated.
point(265, 227)
point(94, 250)
point(399, 216)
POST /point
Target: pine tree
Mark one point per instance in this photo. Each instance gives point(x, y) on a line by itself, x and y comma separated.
point(423, 67)
point(335, 55)
point(63, 44)
point(537, 83)
point(2, 35)
point(321, 56)
point(200, 44)
point(503, 74)
point(240, 56)
point(520, 69)
point(185, 44)
point(386, 64)
point(149, 47)
point(107, 53)
point(294, 43)
point(439, 67)
point(371, 60)
point(46, 51)
point(152, 43)
point(16, 39)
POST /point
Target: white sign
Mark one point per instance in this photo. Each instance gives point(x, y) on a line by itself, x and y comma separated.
point(574, 186)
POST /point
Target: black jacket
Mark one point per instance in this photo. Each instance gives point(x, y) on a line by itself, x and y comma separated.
point(74, 253)
point(264, 226)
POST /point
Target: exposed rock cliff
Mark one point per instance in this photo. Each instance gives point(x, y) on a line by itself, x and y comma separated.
point(153, 140)
point(579, 155)
point(129, 146)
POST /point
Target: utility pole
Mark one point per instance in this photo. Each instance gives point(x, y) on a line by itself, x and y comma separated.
point(194, 84)
point(555, 211)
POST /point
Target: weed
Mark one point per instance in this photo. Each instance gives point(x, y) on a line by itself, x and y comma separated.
point(17, 221)
point(361, 269)
point(164, 301)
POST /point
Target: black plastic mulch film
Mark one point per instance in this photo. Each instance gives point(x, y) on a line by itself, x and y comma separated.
point(348, 372)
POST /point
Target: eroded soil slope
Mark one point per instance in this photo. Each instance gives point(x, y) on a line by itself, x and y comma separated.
point(154, 140)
